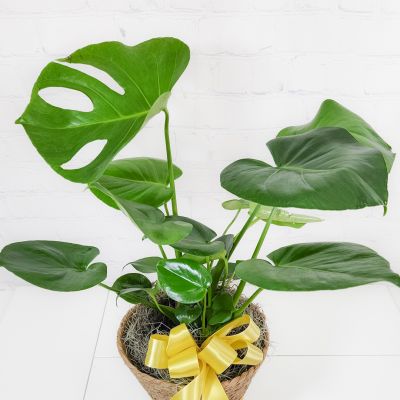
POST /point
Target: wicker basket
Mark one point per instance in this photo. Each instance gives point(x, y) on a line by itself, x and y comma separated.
point(163, 390)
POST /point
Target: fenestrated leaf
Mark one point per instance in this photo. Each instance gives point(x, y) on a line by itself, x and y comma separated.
point(199, 241)
point(146, 72)
point(185, 281)
point(221, 309)
point(59, 266)
point(144, 180)
point(146, 265)
point(187, 313)
point(330, 114)
point(151, 221)
point(324, 169)
point(317, 266)
point(132, 288)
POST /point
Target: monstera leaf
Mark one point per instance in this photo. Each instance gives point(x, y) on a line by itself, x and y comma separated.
point(332, 114)
point(317, 266)
point(280, 217)
point(146, 72)
point(183, 280)
point(324, 169)
point(144, 180)
point(200, 240)
point(59, 266)
point(150, 220)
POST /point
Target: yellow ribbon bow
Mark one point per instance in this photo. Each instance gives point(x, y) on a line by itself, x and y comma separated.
point(180, 354)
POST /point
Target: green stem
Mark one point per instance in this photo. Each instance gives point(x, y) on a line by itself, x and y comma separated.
point(209, 292)
point(232, 222)
point(163, 252)
point(203, 319)
point(241, 310)
point(244, 229)
point(170, 164)
point(166, 210)
point(103, 285)
point(260, 242)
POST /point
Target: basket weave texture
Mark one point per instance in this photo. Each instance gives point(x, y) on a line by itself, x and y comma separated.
point(163, 390)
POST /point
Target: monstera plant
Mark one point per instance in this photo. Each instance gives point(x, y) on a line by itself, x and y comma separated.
point(335, 162)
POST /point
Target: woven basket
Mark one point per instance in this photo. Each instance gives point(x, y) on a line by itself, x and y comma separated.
point(163, 390)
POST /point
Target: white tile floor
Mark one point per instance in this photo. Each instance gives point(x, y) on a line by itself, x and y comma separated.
point(333, 345)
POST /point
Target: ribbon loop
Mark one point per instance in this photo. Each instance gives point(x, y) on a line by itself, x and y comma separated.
point(180, 354)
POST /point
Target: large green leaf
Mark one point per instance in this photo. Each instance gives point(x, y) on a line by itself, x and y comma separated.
point(147, 72)
point(199, 241)
point(132, 288)
point(317, 266)
point(150, 220)
point(144, 180)
point(324, 169)
point(185, 281)
point(59, 266)
point(332, 114)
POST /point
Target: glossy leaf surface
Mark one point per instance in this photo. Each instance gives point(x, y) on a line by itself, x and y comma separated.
point(185, 281)
point(146, 72)
point(144, 180)
point(330, 114)
point(132, 287)
point(58, 266)
point(317, 266)
point(187, 313)
point(324, 169)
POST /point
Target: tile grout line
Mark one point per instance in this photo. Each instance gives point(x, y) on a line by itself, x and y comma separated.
point(95, 347)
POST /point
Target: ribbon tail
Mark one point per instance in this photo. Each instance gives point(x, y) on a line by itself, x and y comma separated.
point(213, 389)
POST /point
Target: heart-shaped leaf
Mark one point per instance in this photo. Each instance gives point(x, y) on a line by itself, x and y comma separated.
point(146, 265)
point(324, 169)
point(150, 220)
point(146, 72)
point(59, 266)
point(144, 180)
point(221, 309)
point(331, 114)
point(199, 241)
point(132, 288)
point(317, 266)
point(185, 281)
point(187, 313)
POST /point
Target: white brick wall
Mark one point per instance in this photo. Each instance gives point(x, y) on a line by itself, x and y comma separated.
point(256, 67)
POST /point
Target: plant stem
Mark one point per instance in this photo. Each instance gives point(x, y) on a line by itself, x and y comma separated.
point(240, 311)
point(244, 229)
point(209, 292)
point(170, 164)
point(203, 319)
point(166, 209)
point(163, 252)
point(103, 285)
point(232, 222)
point(256, 251)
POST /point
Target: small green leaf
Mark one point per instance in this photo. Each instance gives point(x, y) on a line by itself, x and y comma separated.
point(185, 281)
point(58, 266)
point(188, 313)
point(144, 180)
point(146, 265)
point(221, 309)
point(236, 204)
point(317, 266)
point(132, 287)
point(199, 241)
